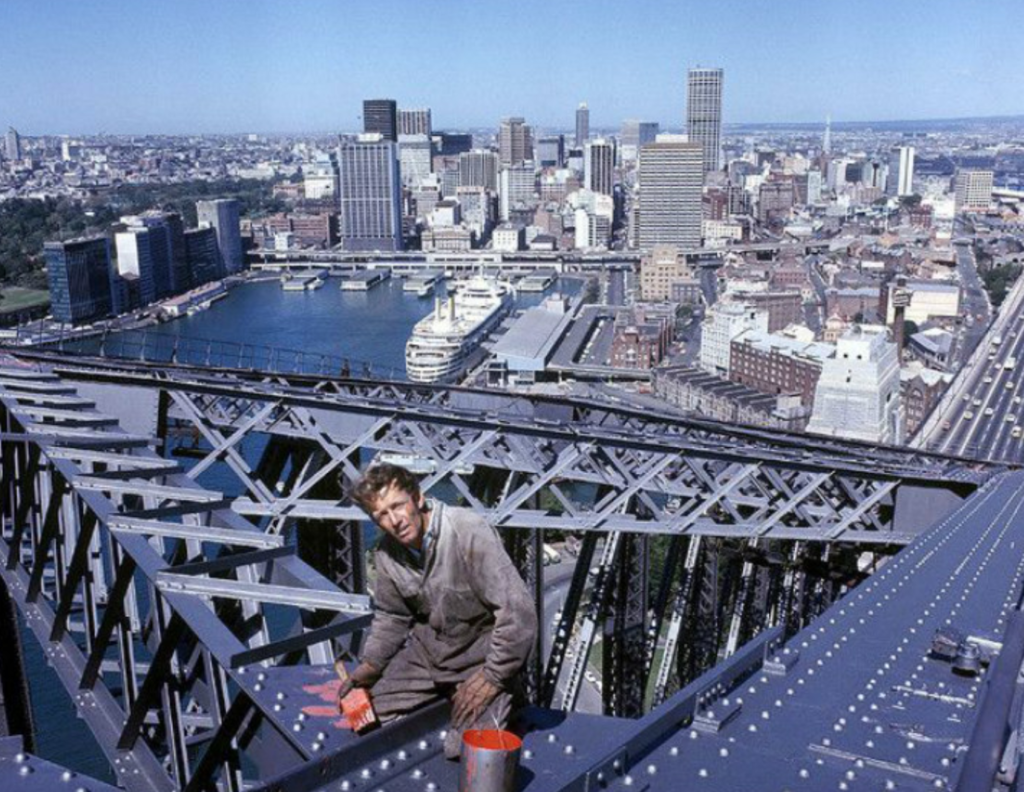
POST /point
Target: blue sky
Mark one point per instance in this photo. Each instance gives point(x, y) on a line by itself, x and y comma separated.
point(86, 66)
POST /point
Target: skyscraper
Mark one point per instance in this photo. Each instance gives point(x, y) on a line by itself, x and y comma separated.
point(901, 171)
point(670, 181)
point(414, 122)
point(551, 151)
point(204, 259)
point(13, 144)
point(478, 168)
point(166, 243)
point(222, 215)
point(79, 275)
point(370, 197)
point(582, 124)
point(599, 165)
point(636, 134)
point(826, 142)
point(704, 113)
point(515, 142)
point(135, 248)
point(380, 116)
point(414, 156)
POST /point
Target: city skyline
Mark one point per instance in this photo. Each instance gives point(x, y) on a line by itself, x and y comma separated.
point(266, 68)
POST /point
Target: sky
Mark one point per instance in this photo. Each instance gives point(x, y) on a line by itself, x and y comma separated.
point(207, 66)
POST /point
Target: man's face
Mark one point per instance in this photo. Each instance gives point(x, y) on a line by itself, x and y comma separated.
point(400, 515)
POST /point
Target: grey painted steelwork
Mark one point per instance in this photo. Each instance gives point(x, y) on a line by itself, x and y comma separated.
point(154, 597)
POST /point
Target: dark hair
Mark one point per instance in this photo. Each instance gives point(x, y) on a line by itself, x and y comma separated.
point(380, 477)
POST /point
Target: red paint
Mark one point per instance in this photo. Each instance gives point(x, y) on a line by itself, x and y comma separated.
point(492, 740)
point(328, 691)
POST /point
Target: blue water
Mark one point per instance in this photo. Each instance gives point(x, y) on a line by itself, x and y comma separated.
point(367, 326)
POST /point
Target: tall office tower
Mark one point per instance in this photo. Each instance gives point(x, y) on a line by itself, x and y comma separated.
point(79, 275)
point(582, 124)
point(204, 259)
point(551, 151)
point(973, 190)
point(222, 216)
point(901, 171)
point(13, 144)
point(515, 142)
point(516, 187)
point(826, 143)
point(166, 243)
point(371, 194)
point(634, 135)
point(414, 156)
point(478, 168)
point(704, 113)
point(454, 143)
point(670, 179)
point(380, 116)
point(858, 394)
point(599, 166)
point(414, 122)
point(135, 248)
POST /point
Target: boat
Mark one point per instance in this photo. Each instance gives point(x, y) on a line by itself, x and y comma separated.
point(443, 343)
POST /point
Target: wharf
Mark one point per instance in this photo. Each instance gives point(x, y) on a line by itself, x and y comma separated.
point(365, 280)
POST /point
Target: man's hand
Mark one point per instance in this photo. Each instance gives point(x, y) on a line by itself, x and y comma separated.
point(471, 698)
point(365, 675)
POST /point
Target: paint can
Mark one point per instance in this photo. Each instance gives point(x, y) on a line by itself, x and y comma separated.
point(490, 758)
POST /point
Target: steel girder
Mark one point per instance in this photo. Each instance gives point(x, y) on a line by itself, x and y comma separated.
point(153, 601)
point(629, 481)
point(688, 478)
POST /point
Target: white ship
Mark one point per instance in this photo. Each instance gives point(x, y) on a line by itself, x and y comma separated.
point(443, 343)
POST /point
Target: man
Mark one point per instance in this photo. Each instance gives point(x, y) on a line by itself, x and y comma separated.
point(452, 616)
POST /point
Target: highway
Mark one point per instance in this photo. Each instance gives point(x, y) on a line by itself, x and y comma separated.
point(982, 414)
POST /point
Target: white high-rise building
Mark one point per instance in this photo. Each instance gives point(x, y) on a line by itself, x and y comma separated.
point(901, 171)
point(671, 178)
point(370, 194)
point(704, 113)
point(858, 395)
point(724, 322)
point(599, 165)
point(973, 190)
point(415, 157)
point(516, 186)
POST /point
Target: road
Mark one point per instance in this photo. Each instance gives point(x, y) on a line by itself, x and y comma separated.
point(983, 410)
point(976, 308)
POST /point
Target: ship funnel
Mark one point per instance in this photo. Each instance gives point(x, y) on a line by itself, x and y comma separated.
point(438, 310)
point(451, 308)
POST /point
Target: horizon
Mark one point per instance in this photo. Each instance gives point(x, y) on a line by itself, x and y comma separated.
point(457, 128)
point(307, 66)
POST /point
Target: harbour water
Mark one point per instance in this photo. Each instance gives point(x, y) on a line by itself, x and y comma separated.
point(369, 326)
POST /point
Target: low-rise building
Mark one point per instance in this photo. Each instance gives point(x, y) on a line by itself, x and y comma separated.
point(711, 396)
point(778, 365)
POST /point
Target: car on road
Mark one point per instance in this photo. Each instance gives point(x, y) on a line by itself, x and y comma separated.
point(977, 402)
point(1011, 418)
point(987, 380)
point(988, 412)
point(1016, 433)
point(968, 415)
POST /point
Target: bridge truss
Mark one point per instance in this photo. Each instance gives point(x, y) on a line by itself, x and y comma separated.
point(180, 542)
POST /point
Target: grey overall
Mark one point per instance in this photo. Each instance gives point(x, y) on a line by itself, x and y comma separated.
point(438, 619)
